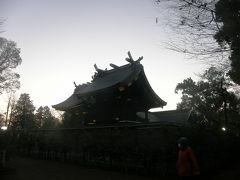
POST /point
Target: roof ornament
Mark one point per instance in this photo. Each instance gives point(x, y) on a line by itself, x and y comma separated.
point(131, 60)
point(99, 72)
point(97, 69)
point(74, 83)
point(113, 65)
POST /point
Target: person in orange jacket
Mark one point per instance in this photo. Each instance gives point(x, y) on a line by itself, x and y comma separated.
point(187, 165)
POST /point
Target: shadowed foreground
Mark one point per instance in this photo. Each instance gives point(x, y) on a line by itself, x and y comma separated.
point(35, 169)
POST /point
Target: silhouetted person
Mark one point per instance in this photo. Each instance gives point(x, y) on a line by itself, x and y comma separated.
point(187, 165)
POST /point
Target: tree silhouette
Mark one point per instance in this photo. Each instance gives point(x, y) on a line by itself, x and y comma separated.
point(45, 119)
point(9, 60)
point(210, 98)
point(207, 30)
point(23, 115)
point(228, 13)
point(2, 120)
point(194, 24)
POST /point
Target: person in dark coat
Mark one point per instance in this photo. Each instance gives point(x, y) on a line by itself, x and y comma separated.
point(187, 165)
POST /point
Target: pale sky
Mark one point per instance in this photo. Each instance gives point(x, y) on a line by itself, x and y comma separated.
point(61, 40)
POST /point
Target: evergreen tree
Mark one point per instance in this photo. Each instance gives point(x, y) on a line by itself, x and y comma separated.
point(23, 115)
point(210, 99)
point(228, 12)
point(45, 119)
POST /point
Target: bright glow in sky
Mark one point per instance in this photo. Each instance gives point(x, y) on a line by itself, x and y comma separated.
point(61, 40)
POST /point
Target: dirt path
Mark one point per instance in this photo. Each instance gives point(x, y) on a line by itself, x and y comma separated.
point(35, 169)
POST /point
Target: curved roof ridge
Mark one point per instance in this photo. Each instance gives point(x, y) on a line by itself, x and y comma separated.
point(129, 79)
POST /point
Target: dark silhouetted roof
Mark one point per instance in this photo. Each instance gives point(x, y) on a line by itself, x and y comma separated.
point(175, 117)
point(108, 81)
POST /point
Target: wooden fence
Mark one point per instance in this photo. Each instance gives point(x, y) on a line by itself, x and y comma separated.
point(148, 149)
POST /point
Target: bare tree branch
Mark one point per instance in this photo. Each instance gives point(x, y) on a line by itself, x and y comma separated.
point(192, 24)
